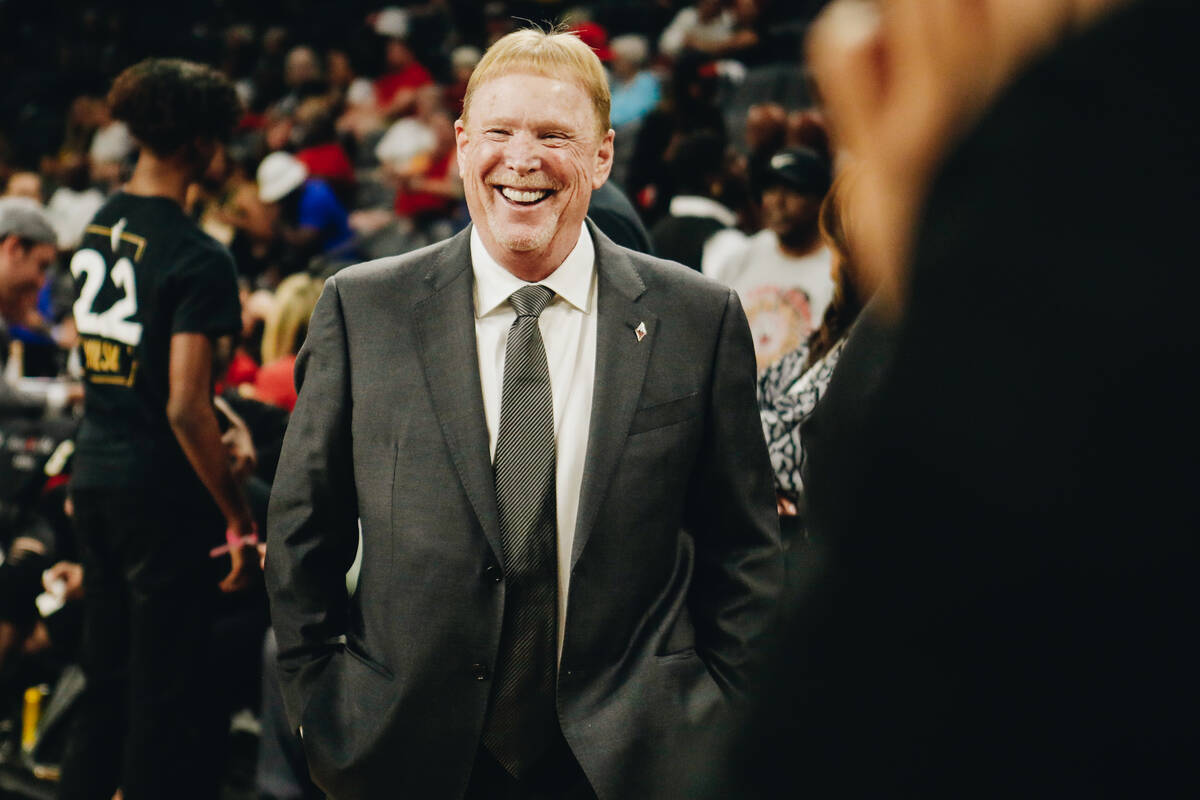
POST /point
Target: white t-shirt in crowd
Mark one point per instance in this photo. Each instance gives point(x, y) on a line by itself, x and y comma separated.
point(784, 296)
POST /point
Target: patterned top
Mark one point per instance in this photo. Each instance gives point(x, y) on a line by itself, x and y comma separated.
point(787, 394)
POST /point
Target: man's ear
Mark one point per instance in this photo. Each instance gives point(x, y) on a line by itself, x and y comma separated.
point(604, 160)
point(460, 143)
point(9, 246)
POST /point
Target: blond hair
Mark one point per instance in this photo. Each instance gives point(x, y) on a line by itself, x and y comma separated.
point(287, 324)
point(554, 54)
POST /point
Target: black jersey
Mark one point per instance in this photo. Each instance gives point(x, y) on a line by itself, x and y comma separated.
point(144, 272)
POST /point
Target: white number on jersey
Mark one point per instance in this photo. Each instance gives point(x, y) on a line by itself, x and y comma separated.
point(114, 322)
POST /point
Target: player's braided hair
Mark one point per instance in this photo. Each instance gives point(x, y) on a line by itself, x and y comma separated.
point(169, 102)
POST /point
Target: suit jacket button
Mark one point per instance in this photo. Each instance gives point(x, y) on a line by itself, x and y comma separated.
point(494, 573)
point(479, 672)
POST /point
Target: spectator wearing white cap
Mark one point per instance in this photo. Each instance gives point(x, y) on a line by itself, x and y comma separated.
point(309, 219)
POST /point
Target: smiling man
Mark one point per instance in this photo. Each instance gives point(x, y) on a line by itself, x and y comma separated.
point(549, 448)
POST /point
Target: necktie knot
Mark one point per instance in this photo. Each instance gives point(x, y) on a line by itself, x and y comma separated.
point(531, 301)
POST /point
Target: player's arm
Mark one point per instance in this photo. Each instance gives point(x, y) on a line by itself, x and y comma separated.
point(194, 422)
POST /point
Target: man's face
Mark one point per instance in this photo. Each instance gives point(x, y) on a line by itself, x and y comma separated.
point(789, 213)
point(530, 159)
point(21, 272)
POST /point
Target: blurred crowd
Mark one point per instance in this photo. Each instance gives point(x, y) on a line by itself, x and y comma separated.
point(346, 149)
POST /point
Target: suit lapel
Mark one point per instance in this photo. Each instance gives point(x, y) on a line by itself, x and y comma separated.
point(449, 354)
point(621, 361)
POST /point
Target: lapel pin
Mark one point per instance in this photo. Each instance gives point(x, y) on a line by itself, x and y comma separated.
point(640, 330)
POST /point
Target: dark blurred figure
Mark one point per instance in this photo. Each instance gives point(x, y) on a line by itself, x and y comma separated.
point(462, 63)
point(766, 132)
point(1002, 514)
point(268, 76)
point(806, 128)
point(699, 231)
point(688, 107)
point(612, 212)
point(498, 21)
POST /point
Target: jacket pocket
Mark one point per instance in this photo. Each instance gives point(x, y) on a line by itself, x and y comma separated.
point(661, 415)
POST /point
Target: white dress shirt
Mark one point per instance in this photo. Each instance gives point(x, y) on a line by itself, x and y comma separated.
point(568, 328)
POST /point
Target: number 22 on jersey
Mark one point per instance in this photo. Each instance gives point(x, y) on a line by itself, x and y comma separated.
point(103, 331)
point(112, 323)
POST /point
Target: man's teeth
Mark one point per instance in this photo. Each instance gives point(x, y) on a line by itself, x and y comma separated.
point(523, 196)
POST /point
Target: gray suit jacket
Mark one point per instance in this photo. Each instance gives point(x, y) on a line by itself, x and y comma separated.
point(676, 564)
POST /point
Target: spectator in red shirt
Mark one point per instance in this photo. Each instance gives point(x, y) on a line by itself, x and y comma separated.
point(320, 149)
point(395, 92)
point(396, 89)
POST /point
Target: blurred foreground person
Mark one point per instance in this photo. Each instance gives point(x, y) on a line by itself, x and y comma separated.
point(152, 485)
point(549, 448)
point(1004, 528)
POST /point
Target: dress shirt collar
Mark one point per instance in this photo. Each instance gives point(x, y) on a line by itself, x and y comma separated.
point(572, 281)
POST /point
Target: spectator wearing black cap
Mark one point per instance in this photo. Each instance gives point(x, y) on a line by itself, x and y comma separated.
point(782, 273)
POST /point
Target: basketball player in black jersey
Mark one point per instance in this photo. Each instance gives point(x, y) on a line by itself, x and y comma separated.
point(157, 305)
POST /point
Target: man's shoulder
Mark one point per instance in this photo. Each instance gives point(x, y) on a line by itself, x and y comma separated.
point(392, 272)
